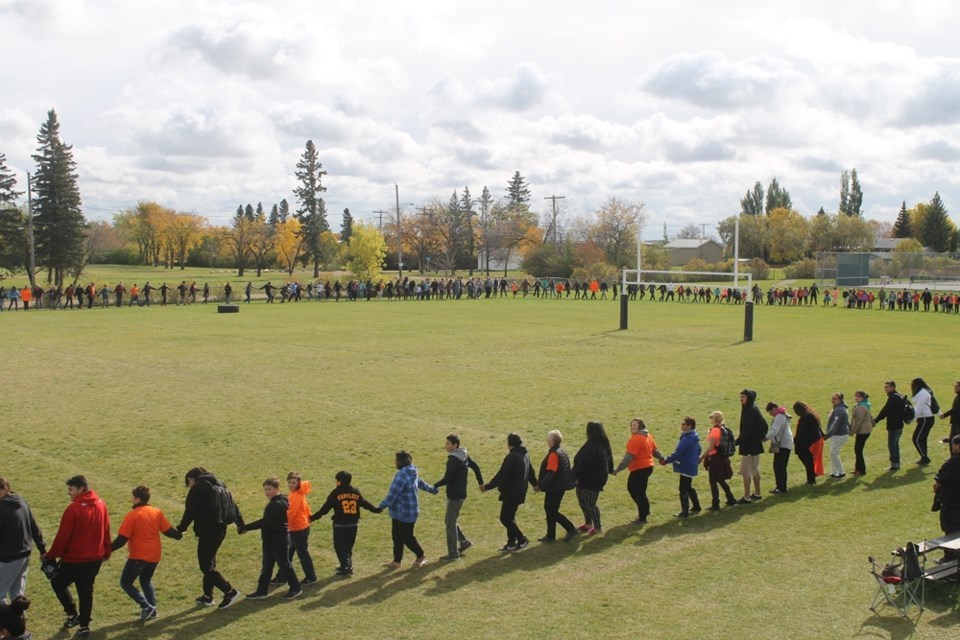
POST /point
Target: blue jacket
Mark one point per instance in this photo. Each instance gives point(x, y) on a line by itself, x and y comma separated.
point(686, 458)
point(402, 499)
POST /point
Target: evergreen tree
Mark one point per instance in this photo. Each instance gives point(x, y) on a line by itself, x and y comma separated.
point(312, 212)
point(346, 227)
point(821, 212)
point(518, 192)
point(274, 216)
point(261, 214)
point(284, 210)
point(13, 242)
point(855, 202)
point(8, 184)
point(58, 220)
point(844, 209)
point(248, 213)
point(467, 205)
point(936, 230)
point(751, 203)
point(777, 197)
point(902, 227)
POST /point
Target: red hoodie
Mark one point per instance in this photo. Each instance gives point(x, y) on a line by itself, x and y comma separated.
point(84, 533)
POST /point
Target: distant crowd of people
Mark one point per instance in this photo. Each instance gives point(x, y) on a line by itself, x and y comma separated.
point(83, 540)
point(407, 288)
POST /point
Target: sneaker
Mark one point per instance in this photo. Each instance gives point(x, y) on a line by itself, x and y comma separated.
point(744, 501)
point(344, 571)
point(205, 601)
point(775, 491)
point(147, 612)
point(682, 514)
point(391, 565)
point(696, 510)
point(256, 595)
point(229, 598)
point(732, 502)
point(154, 615)
point(756, 496)
point(640, 521)
point(290, 595)
point(71, 621)
point(546, 539)
point(466, 544)
point(507, 548)
point(419, 562)
point(337, 569)
point(594, 531)
point(570, 535)
point(713, 507)
point(309, 581)
point(522, 544)
point(893, 467)
point(451, 556)
point(583, 528)
point(277, 580)
point(82, 632)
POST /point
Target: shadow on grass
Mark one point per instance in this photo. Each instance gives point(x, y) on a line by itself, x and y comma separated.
point(893, 626)
point(894, 479)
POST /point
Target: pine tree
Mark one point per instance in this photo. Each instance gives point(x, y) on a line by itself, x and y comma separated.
point(8, 184)
point(58, 220)
point(274, 216)
point(777, 197)
point(346, 227)
point(284, 211)
point(12, 238)
point(902, 227)
point(936, 230)
point(751, 203)
point(248, 213)
point(821, 212)
point(518, 192)
point(467, 205)
point(261, 214)
point(312, 212)
point(855, 202)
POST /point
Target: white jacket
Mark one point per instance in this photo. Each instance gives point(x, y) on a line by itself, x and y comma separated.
point(921, 404)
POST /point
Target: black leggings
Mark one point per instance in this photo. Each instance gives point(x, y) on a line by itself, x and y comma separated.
point(551, 506)
point(637, 486)
point(920, 434)
point(858, 444)
point(508, 518)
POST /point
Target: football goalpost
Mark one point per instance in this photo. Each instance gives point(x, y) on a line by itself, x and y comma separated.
point(640, 278)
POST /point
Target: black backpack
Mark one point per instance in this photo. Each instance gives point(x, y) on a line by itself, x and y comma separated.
point(934, 405)
point(223, 503)
point(727, 447)
point(909, 413)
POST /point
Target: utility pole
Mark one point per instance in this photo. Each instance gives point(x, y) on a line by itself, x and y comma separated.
point(553, 225)
point(31, 256)
point(396, 190)
point(381, 212)
point(703, 233)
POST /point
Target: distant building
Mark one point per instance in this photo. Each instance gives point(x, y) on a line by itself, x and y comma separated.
point(683, 250)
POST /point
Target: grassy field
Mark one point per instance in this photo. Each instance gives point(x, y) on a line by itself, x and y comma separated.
point(130, 396)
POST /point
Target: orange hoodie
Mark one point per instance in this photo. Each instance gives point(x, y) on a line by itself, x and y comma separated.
point(298, 514)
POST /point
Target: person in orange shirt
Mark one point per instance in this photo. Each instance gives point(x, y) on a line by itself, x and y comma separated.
point(141, 528)
point(298, 523)
point(134, 295)
point(641, 450)
point(26, 295)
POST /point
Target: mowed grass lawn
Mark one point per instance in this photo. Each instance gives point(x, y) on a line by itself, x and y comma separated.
point(135, 396)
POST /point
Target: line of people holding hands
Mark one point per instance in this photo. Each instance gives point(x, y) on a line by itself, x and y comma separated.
point(83, 539)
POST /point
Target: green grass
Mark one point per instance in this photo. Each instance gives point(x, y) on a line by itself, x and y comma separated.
point(141, 395)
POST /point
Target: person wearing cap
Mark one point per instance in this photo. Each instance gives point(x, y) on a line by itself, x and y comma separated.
point(946, 486)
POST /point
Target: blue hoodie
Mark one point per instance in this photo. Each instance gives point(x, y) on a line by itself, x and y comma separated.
point(403, 499)
point(686, 458)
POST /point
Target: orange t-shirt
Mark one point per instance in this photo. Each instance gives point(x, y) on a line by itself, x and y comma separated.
point(715, 434)
point(298, 513)
point(142, 528)
point(642, 447)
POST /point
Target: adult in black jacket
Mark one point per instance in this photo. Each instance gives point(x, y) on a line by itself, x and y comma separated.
point(275, 541)
point(18, 535)
point(808, 433)
point(455, 479)
point(753, 429)
point(511, 480)
point(556, 478)
point(592, 465)
point(947, 486)
point(202, 511)
point(953, 413)
point(892, 412)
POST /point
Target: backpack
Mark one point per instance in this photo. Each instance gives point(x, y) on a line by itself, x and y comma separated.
point(727, 446)
point(934, 405)
point(223, 503)
point(909, 413)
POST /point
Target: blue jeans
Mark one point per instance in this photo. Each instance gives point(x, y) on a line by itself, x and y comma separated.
point(893, 444)
point(144, 570)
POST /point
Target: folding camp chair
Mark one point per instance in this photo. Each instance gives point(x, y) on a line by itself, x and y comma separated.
point(900, 583)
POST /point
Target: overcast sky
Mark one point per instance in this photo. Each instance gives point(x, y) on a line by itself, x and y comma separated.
point(682, 105)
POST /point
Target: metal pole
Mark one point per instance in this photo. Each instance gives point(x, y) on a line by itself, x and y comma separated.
point(31, 256)
point(396, 190)
point(736, 252)
point(623, 304)
point(748, 321)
